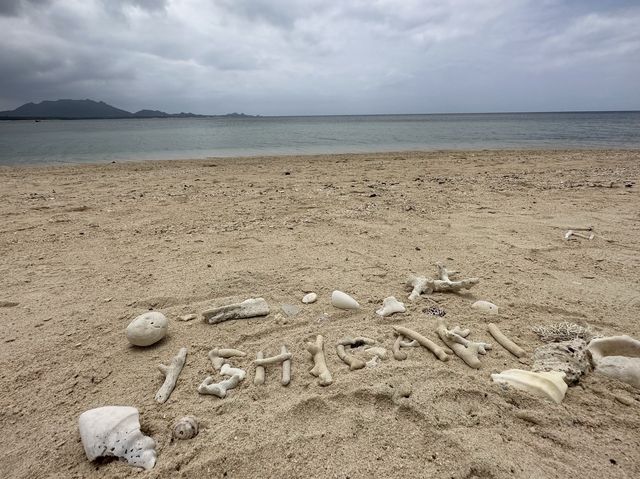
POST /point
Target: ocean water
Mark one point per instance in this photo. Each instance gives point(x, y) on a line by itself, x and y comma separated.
point(78, 141)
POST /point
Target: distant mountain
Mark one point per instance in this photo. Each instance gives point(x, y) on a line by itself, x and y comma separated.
point(86, 109)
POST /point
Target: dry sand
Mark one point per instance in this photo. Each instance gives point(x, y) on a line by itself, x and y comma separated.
point(87, 248)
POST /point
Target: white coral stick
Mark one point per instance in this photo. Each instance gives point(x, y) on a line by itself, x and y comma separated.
point(171, 373)
point(320, 369)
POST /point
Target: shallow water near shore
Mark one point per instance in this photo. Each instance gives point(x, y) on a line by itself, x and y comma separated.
point(94, 141)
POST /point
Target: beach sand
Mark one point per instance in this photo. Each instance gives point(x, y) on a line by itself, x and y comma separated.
point(87, 248)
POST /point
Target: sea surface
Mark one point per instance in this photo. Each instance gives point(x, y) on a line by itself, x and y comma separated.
point(81, 141)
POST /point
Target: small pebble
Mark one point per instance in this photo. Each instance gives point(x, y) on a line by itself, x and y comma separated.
point(188, 317)
point(310, 298)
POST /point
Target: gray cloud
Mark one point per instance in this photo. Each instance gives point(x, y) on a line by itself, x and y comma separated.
point(323, 56)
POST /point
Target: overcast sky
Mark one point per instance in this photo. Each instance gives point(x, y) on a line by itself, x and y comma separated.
point(288, 57)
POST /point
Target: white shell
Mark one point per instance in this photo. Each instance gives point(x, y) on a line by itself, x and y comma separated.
point(550, 384)
point(342, 300)
point(391, 306)
point(617, 357)
point(115, 431)
point(485, 307)
point(185, 428)
point(309, 298)
point(147, 329)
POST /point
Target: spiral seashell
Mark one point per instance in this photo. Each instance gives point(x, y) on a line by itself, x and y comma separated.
point(185, 428)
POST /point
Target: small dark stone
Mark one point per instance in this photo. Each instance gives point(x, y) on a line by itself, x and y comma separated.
point(417, 248)
point(287, 173)
point(613, 461)
point(372, 195)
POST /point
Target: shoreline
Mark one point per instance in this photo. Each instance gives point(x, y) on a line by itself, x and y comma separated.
point(86, 248)
point(311, 156)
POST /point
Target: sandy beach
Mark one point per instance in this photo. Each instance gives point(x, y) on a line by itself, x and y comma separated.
point(87, 248)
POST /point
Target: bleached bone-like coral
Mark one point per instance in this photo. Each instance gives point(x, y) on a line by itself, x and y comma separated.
point(617, 357)
point(115, 431)
point(352, 361)
point(440, 353)
point(220, 389)
point(283, 358)
point(258, 379)
point(219, 356)
point(443, 284)
point(185, 428)
point(401, 342)
point(319, 369)
point(505, 342)
point(564, 331)
point(571, 234)
point(465, 349)
point(390, 306)
point(286, 368)
point(569, 357)
point(171, 373)
point(550, 384)
point(249, 308)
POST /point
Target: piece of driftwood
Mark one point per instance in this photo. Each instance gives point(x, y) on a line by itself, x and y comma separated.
point(171, 373)
point(440, 353)
point(505, 342)
point(456, 340)
point(249, 308)
point(319, 370)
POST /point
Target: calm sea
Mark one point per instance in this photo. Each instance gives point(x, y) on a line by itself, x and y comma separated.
point(77, 141)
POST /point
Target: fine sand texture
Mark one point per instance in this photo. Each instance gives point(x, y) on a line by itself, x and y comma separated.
point(85, 249)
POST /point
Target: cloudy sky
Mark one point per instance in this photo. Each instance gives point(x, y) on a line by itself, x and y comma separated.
point(288, 57)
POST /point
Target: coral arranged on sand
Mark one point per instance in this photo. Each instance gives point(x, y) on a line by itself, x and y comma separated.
point(443, 284)
point(456, 340)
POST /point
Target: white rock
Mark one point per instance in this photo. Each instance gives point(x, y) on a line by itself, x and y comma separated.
point(617, 357)
point(391, 306)
point(485, 307)
point(309, 298)
point(115, 431)
point(147, 329)
point(342, 300)
point(549, 385)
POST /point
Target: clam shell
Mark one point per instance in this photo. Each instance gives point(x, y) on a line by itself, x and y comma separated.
point(185, 428)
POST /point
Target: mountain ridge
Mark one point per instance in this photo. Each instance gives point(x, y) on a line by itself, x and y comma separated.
point(66, 109)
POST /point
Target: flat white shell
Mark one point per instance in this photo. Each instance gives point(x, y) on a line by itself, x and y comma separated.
point(309, 298)
point(115, 431)
point(617, 357)
point(342, 300)
point(147, 329)
point(485, 307)
point(549, 385)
